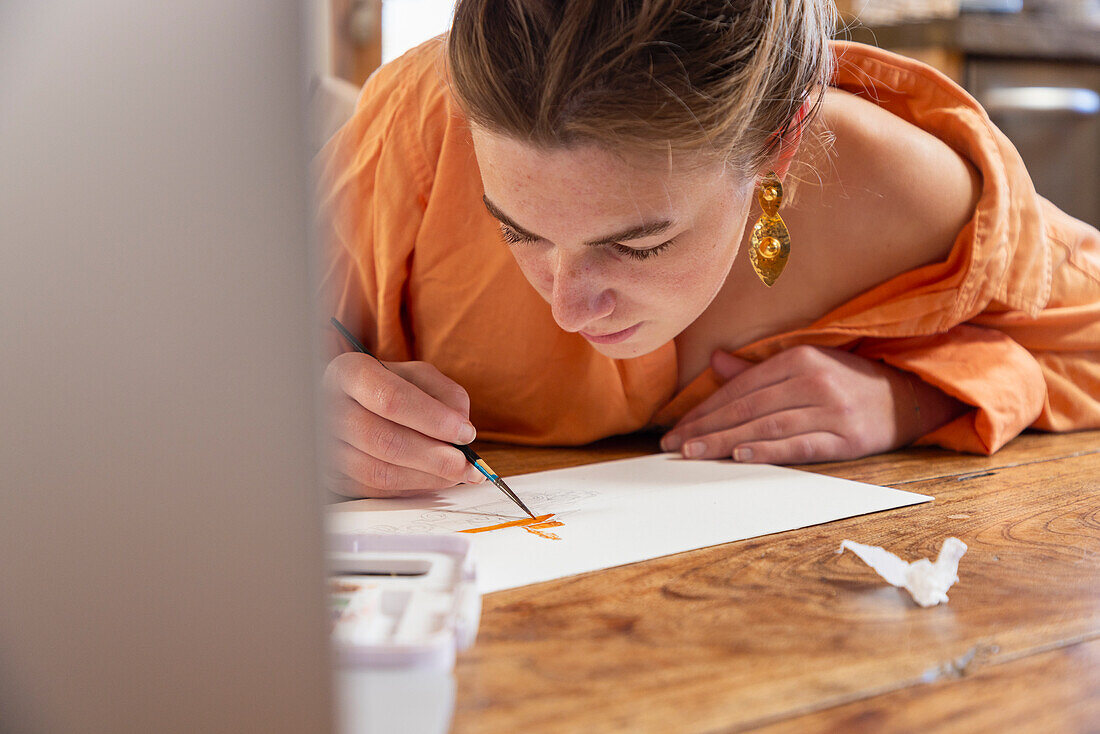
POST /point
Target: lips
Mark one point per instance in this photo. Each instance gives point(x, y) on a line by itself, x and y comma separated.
point(612, 338)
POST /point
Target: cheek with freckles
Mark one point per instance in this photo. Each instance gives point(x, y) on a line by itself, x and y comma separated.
point(534, 261)
point(688, 284)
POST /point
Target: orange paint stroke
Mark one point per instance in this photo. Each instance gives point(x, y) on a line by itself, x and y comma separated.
point(532, 525)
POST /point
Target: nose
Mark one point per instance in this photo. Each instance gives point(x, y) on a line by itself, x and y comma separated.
point(577, 297)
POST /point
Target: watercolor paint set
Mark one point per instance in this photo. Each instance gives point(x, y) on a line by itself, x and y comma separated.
point(402, 601)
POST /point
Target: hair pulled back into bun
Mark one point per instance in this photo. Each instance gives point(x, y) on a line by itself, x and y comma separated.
point(703, 76)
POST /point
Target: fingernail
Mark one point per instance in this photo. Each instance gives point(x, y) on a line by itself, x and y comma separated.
point(466, 433)
point(670, 443)
point(694, 448)
point(473, 476)
point(742, 453)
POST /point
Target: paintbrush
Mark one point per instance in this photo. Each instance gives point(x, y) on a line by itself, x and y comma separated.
point(469, 453)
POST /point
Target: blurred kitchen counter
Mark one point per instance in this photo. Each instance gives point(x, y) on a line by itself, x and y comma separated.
point(1003, 35)
point(1038, 77)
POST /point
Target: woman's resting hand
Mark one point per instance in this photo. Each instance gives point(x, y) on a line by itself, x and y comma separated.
point(809, 404)
point(388, 430)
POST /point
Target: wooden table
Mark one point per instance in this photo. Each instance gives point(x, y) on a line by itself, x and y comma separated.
point(782, 634)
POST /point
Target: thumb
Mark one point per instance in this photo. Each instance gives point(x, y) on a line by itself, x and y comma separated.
point(726, 365)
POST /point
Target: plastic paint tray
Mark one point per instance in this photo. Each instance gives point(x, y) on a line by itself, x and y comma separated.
point(402, 601)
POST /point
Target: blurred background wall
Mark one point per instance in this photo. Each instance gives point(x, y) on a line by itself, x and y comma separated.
point(353, 37)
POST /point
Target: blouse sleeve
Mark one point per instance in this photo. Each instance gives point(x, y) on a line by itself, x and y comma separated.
point(371, 189)
point(984, 368)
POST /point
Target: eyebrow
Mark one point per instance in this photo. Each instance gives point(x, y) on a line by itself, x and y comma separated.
point(647, 229)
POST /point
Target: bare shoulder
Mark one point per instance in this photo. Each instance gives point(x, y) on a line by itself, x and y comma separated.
point(882, 196)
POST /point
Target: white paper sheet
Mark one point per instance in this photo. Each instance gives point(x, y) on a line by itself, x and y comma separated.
point(620, 512)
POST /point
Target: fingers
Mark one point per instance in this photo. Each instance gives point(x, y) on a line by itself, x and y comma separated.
point(805, 448)
point(722, 444)
point(399, 445)
point(804, 404)
point(356, 474)
point(389, 431)
point(434, 383)
point(389, 395)
point(726, 365)
point(736, 412)
point(756, 377)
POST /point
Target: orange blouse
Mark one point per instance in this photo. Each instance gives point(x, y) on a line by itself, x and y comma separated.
point(1009, 323)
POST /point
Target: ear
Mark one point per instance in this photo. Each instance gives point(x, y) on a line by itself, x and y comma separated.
point(788, 143)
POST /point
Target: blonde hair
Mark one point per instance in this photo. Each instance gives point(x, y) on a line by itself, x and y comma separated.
point(702, 76)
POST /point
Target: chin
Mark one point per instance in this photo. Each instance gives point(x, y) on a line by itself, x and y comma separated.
point(627, 350)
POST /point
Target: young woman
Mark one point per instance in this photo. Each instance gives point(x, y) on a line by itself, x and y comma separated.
point(574, 219)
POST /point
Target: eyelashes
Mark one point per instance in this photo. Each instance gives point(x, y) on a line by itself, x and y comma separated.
point(644, 254)
point(513, 237)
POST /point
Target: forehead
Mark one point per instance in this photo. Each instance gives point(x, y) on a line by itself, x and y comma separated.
point(590, 178)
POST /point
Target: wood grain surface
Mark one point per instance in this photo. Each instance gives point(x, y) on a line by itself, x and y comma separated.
point(1053, 691)
point(781, 631)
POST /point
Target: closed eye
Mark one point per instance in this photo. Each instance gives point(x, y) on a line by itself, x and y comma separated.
point(646, 253)
point(512, 237)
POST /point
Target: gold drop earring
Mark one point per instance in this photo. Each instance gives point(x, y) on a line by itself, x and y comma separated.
point(771, 242)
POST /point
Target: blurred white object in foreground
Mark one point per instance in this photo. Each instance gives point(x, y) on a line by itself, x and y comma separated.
point(925, 581)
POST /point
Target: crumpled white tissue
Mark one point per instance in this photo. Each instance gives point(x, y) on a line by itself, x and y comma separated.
point(925, 581)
